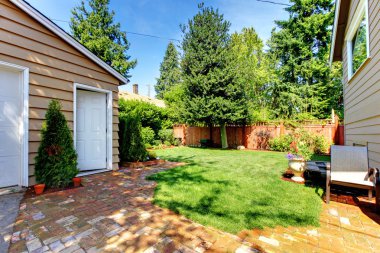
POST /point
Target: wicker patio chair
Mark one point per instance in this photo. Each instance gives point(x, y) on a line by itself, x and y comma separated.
point(350, 167)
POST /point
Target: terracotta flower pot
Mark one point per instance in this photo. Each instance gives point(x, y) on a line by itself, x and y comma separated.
point(39, 188)
point(77, 181)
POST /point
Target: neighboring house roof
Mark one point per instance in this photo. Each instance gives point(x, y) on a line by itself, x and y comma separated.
point(131, 96)
point(340, 23)
point(34, 13)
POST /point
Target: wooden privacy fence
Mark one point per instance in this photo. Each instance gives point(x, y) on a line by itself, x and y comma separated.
point(255, 136)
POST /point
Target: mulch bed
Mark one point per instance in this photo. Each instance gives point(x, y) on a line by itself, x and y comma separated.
point(142, 164)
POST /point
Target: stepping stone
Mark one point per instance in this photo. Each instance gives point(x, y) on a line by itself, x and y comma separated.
point(333, 212)
point(345, 221)
point(245, 249)
point(270, 241)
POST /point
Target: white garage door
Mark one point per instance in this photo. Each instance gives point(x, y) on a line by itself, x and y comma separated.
point(10, 121)
point(91, 130)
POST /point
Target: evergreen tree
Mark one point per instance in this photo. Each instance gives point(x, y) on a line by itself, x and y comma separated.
point(170, 72)
point(95, 29)
point(299, 50)
point(132, 147)
point(212, 96)
point(56, 162)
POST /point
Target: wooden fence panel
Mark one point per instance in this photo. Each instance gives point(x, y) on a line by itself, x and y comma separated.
point(254, 136)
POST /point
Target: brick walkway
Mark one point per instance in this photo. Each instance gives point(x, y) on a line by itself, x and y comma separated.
point(113, 213)
point(343, 228)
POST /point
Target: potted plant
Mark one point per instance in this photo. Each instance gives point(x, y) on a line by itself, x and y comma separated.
point(39, 188)
point(77, 181)
point(297, 160)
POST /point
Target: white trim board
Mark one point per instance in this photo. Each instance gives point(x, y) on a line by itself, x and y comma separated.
point(362, 9)
point(66, 37)
point(24, 124)
point(109, 118)
point(335, 27)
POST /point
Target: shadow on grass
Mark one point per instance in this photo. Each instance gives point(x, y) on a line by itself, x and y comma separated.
point(180, 175)
point(205, 205)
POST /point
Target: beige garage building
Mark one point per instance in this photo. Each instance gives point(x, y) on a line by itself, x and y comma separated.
point(40, 62)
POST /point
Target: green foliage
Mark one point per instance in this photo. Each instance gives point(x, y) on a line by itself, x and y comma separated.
point(150, 115)
point(157, 143)
point(166, 135)
point(299, 53)
point(170, 72)
point(152, 155)
point(251, 68)
point(281, 143)
point(147, 135)
point(94, 27)
point(300, 142)
point(131, 143)
point(212, 95)
point(56, 161)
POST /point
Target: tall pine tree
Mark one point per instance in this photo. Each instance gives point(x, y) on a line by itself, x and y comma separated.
point(212, 94)
point(299, 49)
point(94, 27)
point(170, 72)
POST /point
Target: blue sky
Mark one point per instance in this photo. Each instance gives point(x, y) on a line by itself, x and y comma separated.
point(162, 18)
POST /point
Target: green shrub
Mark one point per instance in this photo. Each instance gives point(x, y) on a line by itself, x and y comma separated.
point(157, 142)
point(167, 143)
point(177, 142)
point(281, 144)
point(152, 155)
point(166, 135)
point(300, 142)
point(148, 146)
point(131, 143)
point(152, 116)
point(147, 134)
point(56, 161)
point(321, 145)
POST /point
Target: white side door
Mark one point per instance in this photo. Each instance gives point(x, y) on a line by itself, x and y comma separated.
point(10, 127)
point(91, 130)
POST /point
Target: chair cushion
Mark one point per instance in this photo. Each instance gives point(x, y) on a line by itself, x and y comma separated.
point(359, 178)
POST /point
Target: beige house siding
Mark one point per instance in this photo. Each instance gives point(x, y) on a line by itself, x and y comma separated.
point(54, 67)
point(362, 92)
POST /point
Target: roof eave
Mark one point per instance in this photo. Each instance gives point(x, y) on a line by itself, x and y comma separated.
point(333, 38)
point(66, 37)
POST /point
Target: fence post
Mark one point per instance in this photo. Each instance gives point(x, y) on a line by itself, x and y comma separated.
point(282, 128)
point(184, 134)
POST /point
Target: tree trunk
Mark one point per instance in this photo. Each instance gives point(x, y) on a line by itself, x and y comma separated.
point(223, 135)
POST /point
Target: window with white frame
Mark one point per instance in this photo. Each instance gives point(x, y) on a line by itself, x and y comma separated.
point(358, 39)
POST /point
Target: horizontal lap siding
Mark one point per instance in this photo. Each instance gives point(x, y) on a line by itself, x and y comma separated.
point(54, 66)
point(362, 92)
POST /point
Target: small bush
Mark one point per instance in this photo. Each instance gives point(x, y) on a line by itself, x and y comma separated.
point(152, 155)
point(281, 144)
point(167, 143)
point(166, 135)
point(321, 145)
point(157, 142)
point(148, 146)
point(300, 142)
point(131, 143)
point(147, 134)
point(56, 162)
point(177, 142)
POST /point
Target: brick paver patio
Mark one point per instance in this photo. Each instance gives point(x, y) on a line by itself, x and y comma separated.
point(113, 213)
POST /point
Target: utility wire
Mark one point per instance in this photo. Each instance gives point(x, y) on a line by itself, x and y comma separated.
point(134, 33)
point(272, 2)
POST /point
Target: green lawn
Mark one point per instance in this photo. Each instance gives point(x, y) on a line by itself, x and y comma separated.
point(234, 190)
